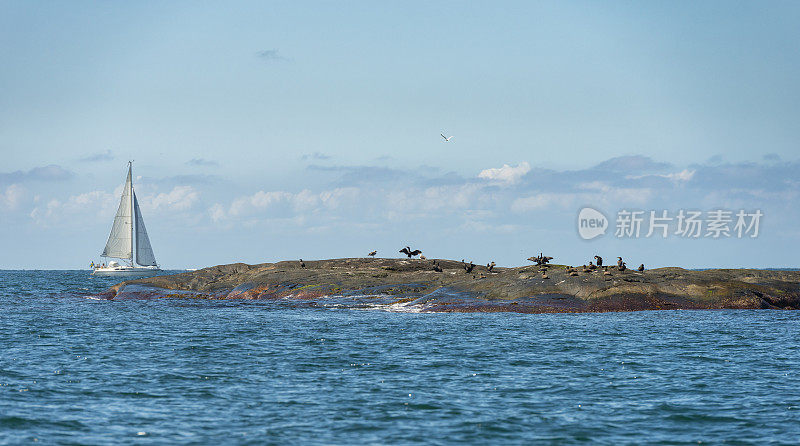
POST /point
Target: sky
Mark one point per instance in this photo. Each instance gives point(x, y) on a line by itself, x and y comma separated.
point(265, 131)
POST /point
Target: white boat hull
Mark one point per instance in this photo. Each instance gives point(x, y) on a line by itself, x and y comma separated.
point(130, 271)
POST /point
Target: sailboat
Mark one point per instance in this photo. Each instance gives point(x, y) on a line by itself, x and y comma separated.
point(128, 240)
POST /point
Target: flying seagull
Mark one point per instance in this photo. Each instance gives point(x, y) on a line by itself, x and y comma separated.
point(446, 138)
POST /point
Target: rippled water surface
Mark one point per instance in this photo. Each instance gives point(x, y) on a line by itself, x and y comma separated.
point(76, 370)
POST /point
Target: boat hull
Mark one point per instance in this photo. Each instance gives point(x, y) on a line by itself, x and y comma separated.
point(126, 271)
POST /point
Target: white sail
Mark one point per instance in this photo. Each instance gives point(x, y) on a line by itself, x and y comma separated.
point(120, 242)
point(144, 252)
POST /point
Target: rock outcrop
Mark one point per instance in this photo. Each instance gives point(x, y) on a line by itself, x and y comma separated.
point(418, 284)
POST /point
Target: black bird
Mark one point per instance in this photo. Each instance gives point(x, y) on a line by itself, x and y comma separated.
point(490, 266)
point(641, 267)
point(599, 260)
point(622, 266)
point(407, 251)
point(469, 268)
point(619, 262)
point(302, 263)
point(437, 268)
point(541, 259)
point(372, 254)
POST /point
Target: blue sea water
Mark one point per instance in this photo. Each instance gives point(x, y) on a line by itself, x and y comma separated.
point(180, 371)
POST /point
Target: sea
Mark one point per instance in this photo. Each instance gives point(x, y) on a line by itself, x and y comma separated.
point(78, 370)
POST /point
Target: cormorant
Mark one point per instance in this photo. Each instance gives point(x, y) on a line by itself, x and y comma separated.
point(469, 268)
point(302, 263)
point(372, 254)
point(599, 260)
point(541, 259)
point(407, 251)
point(641, 267)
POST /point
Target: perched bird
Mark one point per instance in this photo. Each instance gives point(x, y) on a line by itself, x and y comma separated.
point(372, 254)
point(541, 259)
point(572, 271)
point(437, 268)
point(469, 268)
point(446, 138)
point(641, 267)
point(619, 262)
point(622, 267)
point(490, 266)
point(599, 260)
point(302, 263)
point(423, 258)
point(407, 251)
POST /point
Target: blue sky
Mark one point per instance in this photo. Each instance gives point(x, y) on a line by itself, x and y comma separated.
point(265, 131)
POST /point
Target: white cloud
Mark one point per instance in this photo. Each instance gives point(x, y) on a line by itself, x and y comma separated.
point(216, 212)
point(300, 202)
point(602, 193)
point(12, 197)
point(400, 204)
point(684, 175)
point(251, 203)
point(336, 198)
point(506, 174)
point(595, 192)
point(180, 198)
point(95, 203)
point(678, 177)
point(540, 201)
point(100, 204)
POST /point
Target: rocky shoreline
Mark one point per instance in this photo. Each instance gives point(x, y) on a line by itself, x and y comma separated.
point(417, 285)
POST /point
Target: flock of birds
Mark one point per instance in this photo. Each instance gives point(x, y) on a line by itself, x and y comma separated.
point(621, 266)
point(541, 260)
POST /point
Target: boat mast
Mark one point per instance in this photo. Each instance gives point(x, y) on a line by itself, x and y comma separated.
point(133, 211)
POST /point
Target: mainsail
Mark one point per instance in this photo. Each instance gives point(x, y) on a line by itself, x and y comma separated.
point(120, 243)
point(129, 223)
point(144, 252)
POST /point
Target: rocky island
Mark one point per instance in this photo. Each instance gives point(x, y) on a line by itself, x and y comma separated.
point(452, 286)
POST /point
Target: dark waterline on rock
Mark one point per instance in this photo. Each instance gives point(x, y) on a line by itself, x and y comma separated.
point(75, 370)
